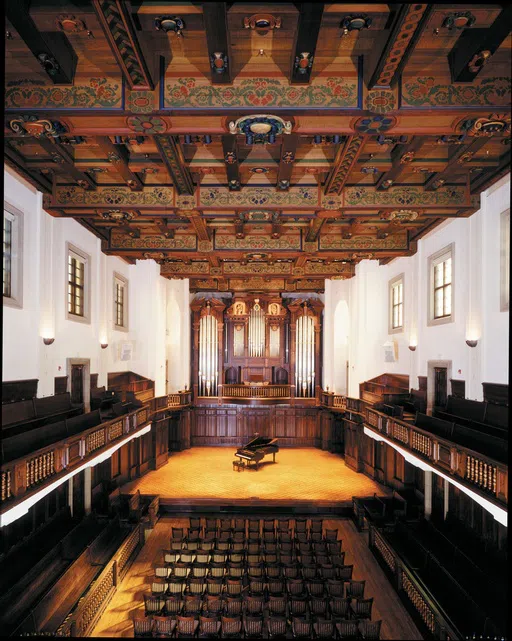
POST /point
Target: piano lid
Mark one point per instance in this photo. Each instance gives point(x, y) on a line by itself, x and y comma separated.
point(259, 441)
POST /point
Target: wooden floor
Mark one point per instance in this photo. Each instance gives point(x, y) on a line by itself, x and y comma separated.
point(204, 474)
point(128, 602)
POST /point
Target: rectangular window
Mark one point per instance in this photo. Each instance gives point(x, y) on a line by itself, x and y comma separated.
point(77, 285)
point(396, 304)
point(13, 256)
point(120, 302)
point(505, 261)
point(441, 286)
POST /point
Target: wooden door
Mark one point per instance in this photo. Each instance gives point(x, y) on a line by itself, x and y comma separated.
point(77, 383)
point(440, 386)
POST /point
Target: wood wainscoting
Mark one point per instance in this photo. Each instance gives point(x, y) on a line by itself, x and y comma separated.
point(234, 425)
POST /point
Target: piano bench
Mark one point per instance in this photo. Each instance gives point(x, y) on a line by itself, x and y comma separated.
point(238, 466)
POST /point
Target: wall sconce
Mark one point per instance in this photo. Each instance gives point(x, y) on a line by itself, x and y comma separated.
point(48, 341)
point(104, 345)
point(412, 348)
point(472, 343)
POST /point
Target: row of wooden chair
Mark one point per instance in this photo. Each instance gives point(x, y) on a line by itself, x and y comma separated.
point(181, 534)
point(256, 525)
point(278, 627)
point(259, 586)
point(282, 605)
point(244, 549)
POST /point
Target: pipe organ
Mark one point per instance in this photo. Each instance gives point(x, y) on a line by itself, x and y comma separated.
point(250, 342)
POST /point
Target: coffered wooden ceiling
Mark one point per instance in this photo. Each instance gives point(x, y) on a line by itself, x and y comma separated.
point(385, 120)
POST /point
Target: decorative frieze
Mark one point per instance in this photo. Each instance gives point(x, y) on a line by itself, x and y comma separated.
point(182, 242)
point(122, 196)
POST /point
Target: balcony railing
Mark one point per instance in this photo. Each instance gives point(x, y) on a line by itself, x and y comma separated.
point(256, 391)
point(470, 467)
point(170, 401)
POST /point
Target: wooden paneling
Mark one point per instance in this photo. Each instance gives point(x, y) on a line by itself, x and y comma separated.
point(236, 425)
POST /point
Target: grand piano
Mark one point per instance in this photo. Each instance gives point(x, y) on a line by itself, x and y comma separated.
point(257, 449)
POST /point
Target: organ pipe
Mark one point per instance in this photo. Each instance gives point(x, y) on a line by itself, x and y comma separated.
point(256, 331)
point(208, 355)
point(305, 356)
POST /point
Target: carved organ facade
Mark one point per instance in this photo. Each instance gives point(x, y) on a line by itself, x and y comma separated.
point(256, 346)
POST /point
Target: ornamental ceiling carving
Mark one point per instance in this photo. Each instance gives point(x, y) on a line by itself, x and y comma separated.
point(324, 165)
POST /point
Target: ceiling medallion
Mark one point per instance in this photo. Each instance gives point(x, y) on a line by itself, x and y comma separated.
point(230, 158)
point(262, 23)
point(493, 124)
point(407, 157)
point(69, 24)
point(361, 256)
point(458, 20)
point(374, 124)
point(259, 170)
point(355, 23)
point(303, 63)
point(118, 216)
point(219, 62)
point(369, 170)
point(257, 215)
point(260, 128)
point(32, 126)
point(257, 257)
point(170, 24)
point(402, 215)
point(49, 64)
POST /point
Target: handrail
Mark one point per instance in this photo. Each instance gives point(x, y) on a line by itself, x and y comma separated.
point(471, 467)
point(409, 585)
point(255, 391)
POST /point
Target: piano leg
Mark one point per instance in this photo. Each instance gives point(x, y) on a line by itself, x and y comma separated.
point(274, 455)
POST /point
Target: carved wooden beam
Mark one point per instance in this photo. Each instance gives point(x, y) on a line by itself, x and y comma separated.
point(308, 29)
point(401, 156)
point(315, 227)
point(301, 261)
point(14, 160)
point(61, 156)
point(456, 161)
point(213, 260)
point(409, 22)
point(346, 157)
point(162, 225)
point(174, 161)
point(355, 226)
point(276, 226)
point(230, 151)
point(240, 226)
point(119, 156)
point(52, 49)
point(219, 50)
point(114, 17)
point(199, 224)
point(475, 47)
point(288, 151)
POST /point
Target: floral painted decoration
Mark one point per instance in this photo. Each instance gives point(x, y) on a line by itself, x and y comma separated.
point(146, 124)
point(374, 124)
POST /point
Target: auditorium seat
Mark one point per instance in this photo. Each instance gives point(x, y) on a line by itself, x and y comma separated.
point(143, 627)
point(173, 606)
point(301, 628)
point(253, 627)
point(209, 627)
point(277, 627)
point(362, 608)
point(164, 626)
point(347, 629)
point(355, 589)
point(186, 626)
point(370, 629)
point(231, 627)
point(324, 628)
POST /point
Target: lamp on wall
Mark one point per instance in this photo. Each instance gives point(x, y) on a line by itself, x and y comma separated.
point(48, 341)
point(412, 348)
point(104, 345)
point(472, 343)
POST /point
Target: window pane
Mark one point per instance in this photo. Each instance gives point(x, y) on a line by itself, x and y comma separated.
point(448, 300)
point(400, 315)
point(438, 303)
point(400, 293)
point(448, 271)
point(438, 275)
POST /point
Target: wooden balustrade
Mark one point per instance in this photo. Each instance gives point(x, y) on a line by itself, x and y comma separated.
point(145, 395)
point(481, 473)
point(82, 620)
point(39, 468)
point(339, 401)
point(478, 470)
point(6, 485)
point(412, 589)
point(256, 391)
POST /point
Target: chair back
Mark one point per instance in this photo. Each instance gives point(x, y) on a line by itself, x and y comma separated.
point(331, 535)
point(301, 627)
point(231, 626)
point(347, 629)
point(216, 570)
point(340, 607)
point(177, 533)
point(301, 525)
point(153, 604)
point(176, 586)
point(276, 586)
point(213, 605)
point(173, 606)
point(192, 605)
point(254, 604)
point(295, 586)
point(214, 586)
point(186, 625)
point(209, 626)
point(187, 556)
point(345, 572)
point(370, 629)
point(256, 586)
point(318, 606)
point(316, 525)
point(143, 627)
point(233, 606)
point(335, 588)
point(162, 572)
point(324, 628)
point(277, 626)
point(171, 556)
point(253, 626)
point(297, 606)
point(196, 586)
point(164, 626)
point(355, 589)
point(277, 605)
point(234, 587)
point(362, 608)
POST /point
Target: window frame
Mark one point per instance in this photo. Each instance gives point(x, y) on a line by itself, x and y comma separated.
point(505, 260)
point(434, 260)
point(124, 281)
point(75, 252)
point(397, 280)
point(16, 298)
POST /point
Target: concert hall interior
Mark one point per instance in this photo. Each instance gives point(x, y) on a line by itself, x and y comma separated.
point(256, 276)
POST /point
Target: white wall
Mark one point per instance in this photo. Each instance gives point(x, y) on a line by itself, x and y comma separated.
point(44, 306)
point(476, 308)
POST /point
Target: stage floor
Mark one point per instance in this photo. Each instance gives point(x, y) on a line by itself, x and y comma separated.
point(204, 475)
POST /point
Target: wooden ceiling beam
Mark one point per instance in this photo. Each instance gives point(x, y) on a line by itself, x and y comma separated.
point(288, 151)
point(163, 227)
point(315, 227)
point(217, 38)
point(490, 176)
point(310, 19)
point(232, 161)
point(14, 160)
point(346, 157)
point(456, 160)
point(276, 226)
point(401, 156)
point(172, 156)
point(407, 27)
point(61, 156)
point(52, 49)
point(116, 22)
point(475, 47)
point(199, 224)
point(119, 156)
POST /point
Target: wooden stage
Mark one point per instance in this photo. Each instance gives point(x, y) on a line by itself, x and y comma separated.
point(307, 479)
